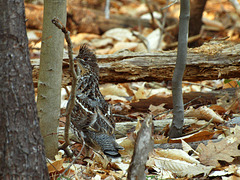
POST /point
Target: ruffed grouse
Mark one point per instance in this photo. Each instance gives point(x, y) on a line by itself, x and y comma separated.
point(92, 116)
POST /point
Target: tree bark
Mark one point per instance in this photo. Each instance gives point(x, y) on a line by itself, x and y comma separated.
point(178, 108)
point(50, 75)
point(21, 148)
point(195, 22)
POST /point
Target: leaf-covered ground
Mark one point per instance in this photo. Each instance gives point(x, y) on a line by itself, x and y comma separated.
point(211, 108)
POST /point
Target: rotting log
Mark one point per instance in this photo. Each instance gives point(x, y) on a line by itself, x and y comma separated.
point(197, 99)
point(208, 62)
point(207, 65)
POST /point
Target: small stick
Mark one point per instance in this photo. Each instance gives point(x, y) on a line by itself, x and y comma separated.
point(197, 84)
point(125, 117)
point(163, 25)
point(154, 24)
point(142, 39)
point(196, 130)
point(168, 111)
point(107, 9)
point(143, 145)
point(73, 161)
point(71, 103)
point(176, 1)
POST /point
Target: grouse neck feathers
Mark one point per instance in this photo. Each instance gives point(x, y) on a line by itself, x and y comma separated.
point(91, 115)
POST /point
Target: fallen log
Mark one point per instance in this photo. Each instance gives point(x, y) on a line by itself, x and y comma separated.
point(123, 128)
point(204, 63)
point(193, 98)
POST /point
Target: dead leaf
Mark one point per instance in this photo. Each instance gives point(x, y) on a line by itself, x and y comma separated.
point(218, 109)
point(204, 112)
point(199, 136)
point(230, 84)
point(141, 93)
point(127, 144)
point(112, 89)
point(123, 46)
point(225, 150)
point(157, 109)
point(119, 34)
point(182, 168)
point(153, 39)
point(187, 148)
point(55, 166)
point(213, 23)
point(78, 38)
point(175, 154)
point(99, 43)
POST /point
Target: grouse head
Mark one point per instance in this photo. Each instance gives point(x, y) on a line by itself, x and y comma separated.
point(87, 61)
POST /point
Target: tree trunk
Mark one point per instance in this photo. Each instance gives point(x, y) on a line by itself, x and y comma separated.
point(195, 22)
point(178, 108)
point(50, 75)
point(21, 145)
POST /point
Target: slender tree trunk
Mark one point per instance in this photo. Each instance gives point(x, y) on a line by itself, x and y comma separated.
point(21, 145)
point(195, 23)
point(178, 108)
point(50, 75)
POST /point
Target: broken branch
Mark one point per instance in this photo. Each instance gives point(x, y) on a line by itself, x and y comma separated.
point(71, 102)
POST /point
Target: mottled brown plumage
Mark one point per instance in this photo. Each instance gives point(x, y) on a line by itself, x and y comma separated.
point(92, 116)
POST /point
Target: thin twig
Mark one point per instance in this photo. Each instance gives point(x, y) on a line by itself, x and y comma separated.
point(67, 91)
point(107, 9)
point(190, 40)
point(236, 4)
point(125, 117)
point(192, 100)
point(142, 39)
point(165, 7)
point(164, 13)
point(197, 84)
point(71, 102)
point(73, 161)
point(196, 130)
point(157, 24)
point(51, 164)
point(168, 111)
point(165, 112)
point(154, 24)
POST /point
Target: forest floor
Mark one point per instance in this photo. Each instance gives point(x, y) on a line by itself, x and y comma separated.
point(212, 107)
